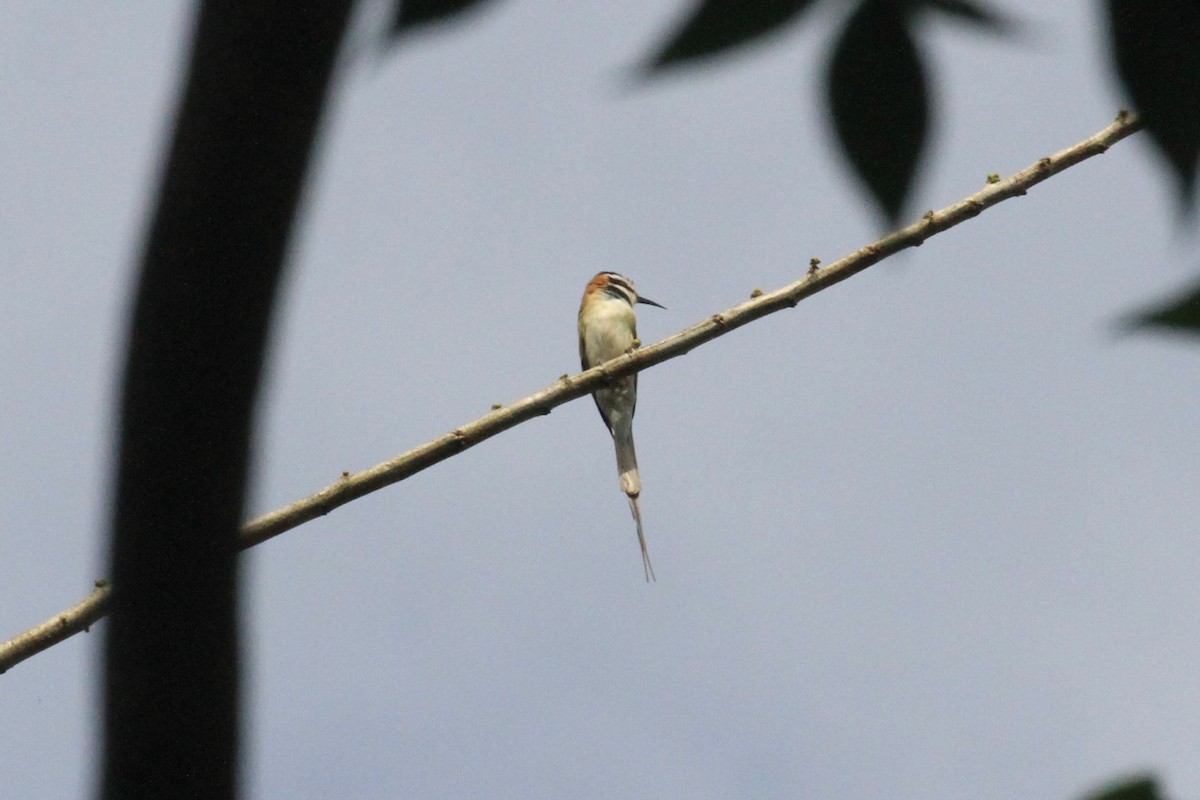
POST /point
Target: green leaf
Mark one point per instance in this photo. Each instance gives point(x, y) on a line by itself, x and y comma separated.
point(879, 101)
point(715, 26)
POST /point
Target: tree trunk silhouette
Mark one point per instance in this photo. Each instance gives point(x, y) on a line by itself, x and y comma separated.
point(257, 81)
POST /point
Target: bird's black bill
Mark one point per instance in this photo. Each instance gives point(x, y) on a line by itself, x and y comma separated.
point(651, 303)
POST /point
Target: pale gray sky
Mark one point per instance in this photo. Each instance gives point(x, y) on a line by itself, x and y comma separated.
point(930, 535)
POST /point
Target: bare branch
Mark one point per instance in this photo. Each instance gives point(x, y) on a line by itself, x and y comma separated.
point(567, 388)
point(62, 625)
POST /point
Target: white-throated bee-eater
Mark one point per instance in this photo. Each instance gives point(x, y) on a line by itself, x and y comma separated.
point(608, 328)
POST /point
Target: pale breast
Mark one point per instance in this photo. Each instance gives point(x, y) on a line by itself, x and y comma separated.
point(610, 331)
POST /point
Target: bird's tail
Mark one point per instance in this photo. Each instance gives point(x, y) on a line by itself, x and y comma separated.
point(631, 484)
point(637, 517)
point(631, 481)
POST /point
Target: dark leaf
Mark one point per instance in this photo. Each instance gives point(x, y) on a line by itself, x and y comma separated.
point(1180, 314)
point(1143, 787)
point(879, 101)
point(975, 13)
point(414, 13)
point(718, 25)
point(1156, 46)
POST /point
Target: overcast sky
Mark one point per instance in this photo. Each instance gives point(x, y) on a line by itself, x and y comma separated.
point(932, 534)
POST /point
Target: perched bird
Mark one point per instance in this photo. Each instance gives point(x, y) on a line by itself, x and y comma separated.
point(608, 328)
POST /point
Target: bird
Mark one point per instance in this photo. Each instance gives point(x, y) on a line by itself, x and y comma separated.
point(608, 328)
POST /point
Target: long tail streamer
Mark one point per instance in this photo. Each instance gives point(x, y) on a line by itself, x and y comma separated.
point(637, 517)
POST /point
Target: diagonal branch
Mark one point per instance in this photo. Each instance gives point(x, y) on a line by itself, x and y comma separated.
point(62, 625)
point(567, 388)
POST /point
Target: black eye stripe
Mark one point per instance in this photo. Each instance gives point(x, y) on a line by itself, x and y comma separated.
point(620, 280)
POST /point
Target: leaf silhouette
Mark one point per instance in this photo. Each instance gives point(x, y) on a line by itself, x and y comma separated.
point(1142, 787)
point(411, 14)
point(974, 13)
point(1156, 46)
point(1180, 314)
point(715, 26)
point(879, 100)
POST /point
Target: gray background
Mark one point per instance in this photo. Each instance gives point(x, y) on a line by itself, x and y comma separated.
point(930, 535)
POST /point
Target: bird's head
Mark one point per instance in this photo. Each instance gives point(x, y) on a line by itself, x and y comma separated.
point(616, 285)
